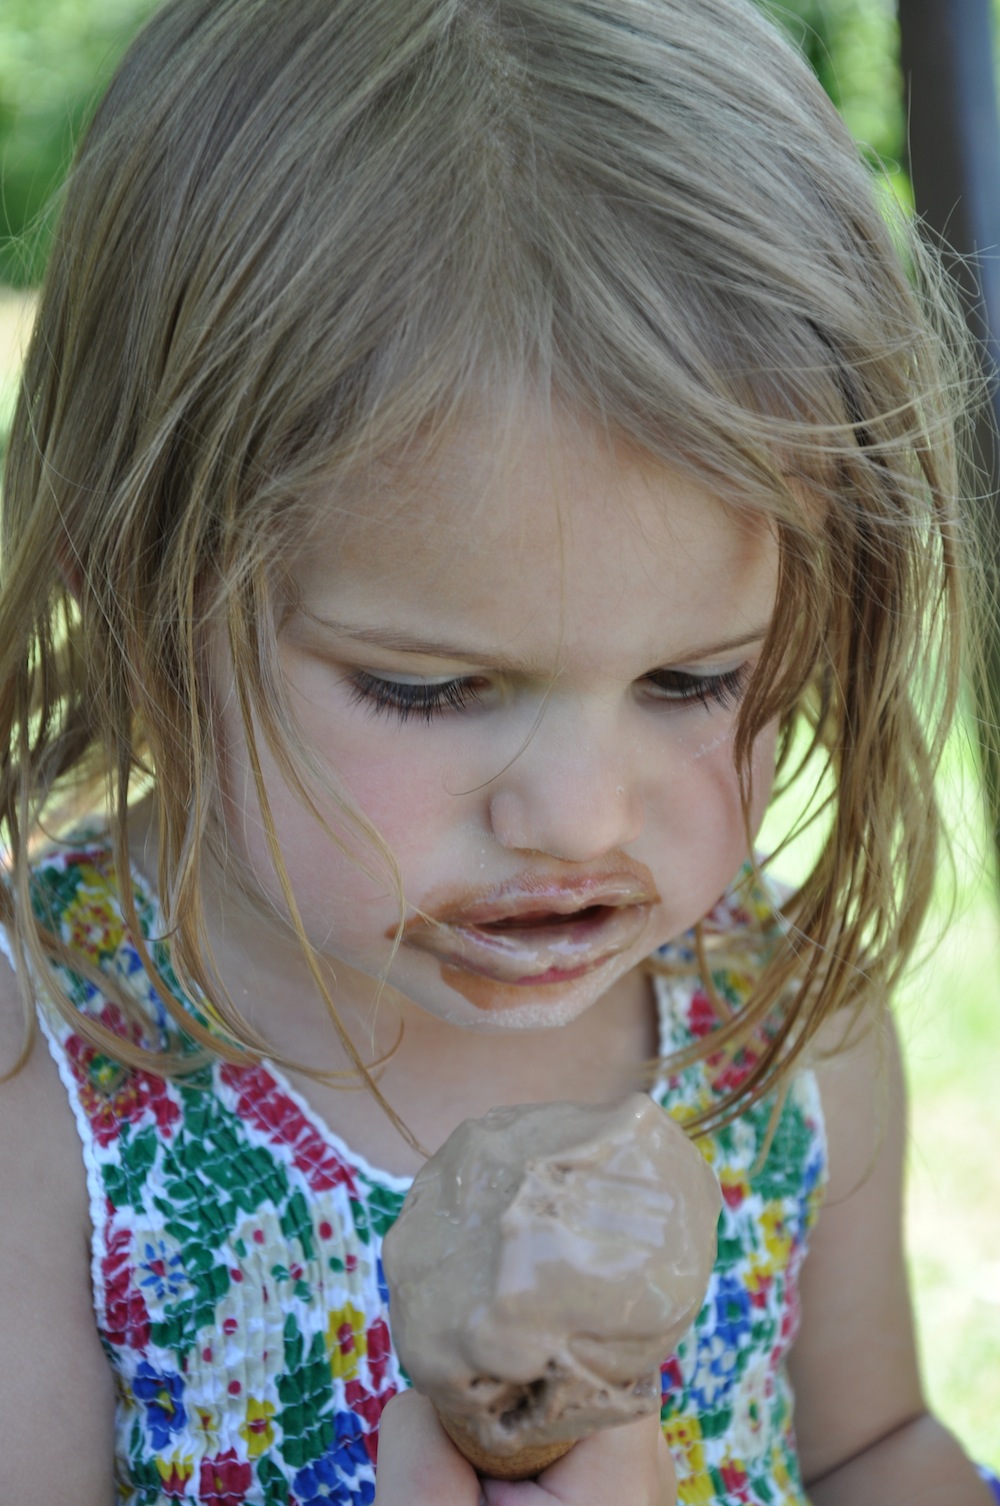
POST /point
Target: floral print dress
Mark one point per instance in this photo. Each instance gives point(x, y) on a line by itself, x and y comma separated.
point(237, 1277)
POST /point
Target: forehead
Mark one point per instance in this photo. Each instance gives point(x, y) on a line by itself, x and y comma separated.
point(515, 514)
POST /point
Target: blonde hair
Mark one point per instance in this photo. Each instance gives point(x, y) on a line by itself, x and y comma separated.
point(297, 235)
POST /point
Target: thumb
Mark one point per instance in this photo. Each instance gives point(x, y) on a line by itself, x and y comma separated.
point(417, 1462)
point(630, 1465)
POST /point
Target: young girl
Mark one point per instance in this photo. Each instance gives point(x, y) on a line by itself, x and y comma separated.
point(468, 449)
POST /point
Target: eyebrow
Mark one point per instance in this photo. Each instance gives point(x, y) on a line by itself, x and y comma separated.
point(436, 648)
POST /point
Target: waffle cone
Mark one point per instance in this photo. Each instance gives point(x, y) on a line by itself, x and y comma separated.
point(523, 1465)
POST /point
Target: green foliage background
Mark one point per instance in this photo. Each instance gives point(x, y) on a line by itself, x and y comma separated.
point(55, 56)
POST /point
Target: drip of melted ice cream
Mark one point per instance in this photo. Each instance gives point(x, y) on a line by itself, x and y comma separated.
point(546, 1262)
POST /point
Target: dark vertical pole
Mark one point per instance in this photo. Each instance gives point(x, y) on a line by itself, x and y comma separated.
point(954, 149)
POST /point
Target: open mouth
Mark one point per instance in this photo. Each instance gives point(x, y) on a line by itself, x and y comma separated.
point(547, 919)
point(534, 946)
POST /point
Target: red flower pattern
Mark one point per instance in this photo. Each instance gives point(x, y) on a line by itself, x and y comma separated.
point(263, 1104)
point(175, 1482)
point(118, 1096)
point(733, 1193)
point(379, 1352)
point(127, 1316)
point(224, 1480)
point(369, 1408)
point(702, 1016)
point(734, 1477)
point(671, 1378)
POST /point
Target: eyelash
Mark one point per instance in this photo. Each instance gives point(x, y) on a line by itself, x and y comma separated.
point(403, 699)
point(726, 690)
point(399, 697)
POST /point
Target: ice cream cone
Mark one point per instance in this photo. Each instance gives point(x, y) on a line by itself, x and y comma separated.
point(545, 1260)
point(523, 1465)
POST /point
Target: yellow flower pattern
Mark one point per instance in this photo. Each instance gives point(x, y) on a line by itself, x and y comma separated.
point(346, 1340)
point(258, 1430)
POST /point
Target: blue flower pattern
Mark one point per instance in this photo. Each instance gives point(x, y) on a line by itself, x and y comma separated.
point(162, 1398)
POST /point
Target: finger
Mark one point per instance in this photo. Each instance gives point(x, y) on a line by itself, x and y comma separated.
point(629, 1464)
point(417, 1463)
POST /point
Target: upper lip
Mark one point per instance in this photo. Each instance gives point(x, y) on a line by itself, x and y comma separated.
point(525, 897)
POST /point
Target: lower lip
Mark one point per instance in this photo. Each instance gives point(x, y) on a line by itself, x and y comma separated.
point(531, 956)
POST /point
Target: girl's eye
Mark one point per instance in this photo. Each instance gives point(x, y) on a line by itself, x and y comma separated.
point(432, 698)
point(679, 688)
point(406, 698)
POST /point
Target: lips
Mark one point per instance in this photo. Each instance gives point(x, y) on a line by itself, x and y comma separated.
point(535, 932)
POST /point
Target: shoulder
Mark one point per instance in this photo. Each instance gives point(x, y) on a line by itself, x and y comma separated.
point(859, 1072)
point(37, 1132)
point(57, 1401)
point(855, 1366)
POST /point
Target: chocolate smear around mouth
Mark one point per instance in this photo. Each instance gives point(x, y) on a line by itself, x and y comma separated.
point(497, 944)
point(573, 943)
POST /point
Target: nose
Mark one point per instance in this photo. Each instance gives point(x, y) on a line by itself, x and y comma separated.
point(573, 792)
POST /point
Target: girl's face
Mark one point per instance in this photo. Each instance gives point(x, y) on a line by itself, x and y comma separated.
point(526, 673)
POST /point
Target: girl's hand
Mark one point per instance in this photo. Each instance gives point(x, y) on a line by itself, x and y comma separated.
point(419, 1466)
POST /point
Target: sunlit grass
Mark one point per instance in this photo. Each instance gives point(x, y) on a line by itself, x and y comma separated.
point(15, 324)
point(949, 1013)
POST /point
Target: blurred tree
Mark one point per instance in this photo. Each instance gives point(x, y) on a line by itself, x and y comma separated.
point(55, 56)
point(853, 47)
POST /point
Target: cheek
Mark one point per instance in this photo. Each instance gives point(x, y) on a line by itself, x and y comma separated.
point(392, 775)
point(704, 805)
point(404, 784)
point(765, 754)
point(406, 798)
